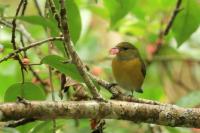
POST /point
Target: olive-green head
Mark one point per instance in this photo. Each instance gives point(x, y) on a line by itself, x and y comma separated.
point(125, 51)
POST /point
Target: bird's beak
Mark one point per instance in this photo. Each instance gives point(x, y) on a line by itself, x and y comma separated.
point(114, 51)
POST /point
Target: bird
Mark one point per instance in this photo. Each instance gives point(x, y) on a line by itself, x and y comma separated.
point(128, 67)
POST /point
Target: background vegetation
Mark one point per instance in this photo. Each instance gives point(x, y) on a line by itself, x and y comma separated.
point(95, 26)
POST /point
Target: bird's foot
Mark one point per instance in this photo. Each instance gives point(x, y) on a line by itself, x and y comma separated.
point(100, 99)
point(130, 95)
point(112, 85)
point(116, 97)
point(67, 61)
point(22, 100)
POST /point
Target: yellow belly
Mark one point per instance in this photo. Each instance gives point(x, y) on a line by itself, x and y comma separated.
point(128, 73)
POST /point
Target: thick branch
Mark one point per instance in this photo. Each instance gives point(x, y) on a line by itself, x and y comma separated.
point(168, 115)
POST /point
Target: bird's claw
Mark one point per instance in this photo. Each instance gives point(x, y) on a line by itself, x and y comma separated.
point(22, 100)
point(115, 97)
point(112, 85)
point(100, 99)
point(67, 61)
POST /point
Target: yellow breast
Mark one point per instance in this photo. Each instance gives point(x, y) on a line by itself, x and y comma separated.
point(128, 73)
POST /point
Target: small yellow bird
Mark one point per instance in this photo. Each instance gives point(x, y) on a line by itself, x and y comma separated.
point(128, 67)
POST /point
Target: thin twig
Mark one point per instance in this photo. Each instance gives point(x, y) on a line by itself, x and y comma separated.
point(19, 29)
point(21, 38)
point(21, 5)
point(38, 77)
point(23, 44)
point(18, 122)
point(30, 66)
point(38, 7)
point(14, 25)
point(51, 81)
point(24, 7)
point(50, 75)
point(163, 33)
point(175, 12)
point(55, 13)
point(53, 96)
point(29, 47)
point(25, 54)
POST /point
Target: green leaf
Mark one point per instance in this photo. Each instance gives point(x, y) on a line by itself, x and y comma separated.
point(100, 11)
point(27, 127)
point(8, 130)
point(6, 44)
point(187, 21)
point(62, 126)
point(66, 68)
point(118, 9)
point(168, 51)
point(9, 74)
point(177, 130)
point(190, 100)
point(38, 20)
point(2, 9)
point(45, 126)
point(27, 90)
point(74, 20)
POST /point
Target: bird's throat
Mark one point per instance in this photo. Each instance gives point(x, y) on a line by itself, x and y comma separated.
point(121, 58)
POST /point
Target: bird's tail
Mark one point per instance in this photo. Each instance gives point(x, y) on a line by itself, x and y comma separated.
point(139, 90)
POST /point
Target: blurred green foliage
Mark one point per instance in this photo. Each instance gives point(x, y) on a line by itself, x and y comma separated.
point(95, 26)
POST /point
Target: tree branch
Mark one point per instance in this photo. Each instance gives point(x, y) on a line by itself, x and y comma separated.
point(18, 122)
point(19, 29)
point(21, 5)
point(175, 13)
point(28, 47)
point(75, 58)
point(38, 7)
point(168, 115)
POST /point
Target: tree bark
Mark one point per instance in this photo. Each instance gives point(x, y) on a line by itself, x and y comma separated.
point(168, 115)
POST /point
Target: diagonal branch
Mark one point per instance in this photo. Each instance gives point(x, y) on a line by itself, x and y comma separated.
point(75, 58)
point(38, 7)
point(13, 39)
point(18, 122)
point(168, 115)
point(19, 29)
point(10, 55)
point(175, 13)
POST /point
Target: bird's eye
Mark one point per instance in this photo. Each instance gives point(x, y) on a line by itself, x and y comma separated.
point(125, 48)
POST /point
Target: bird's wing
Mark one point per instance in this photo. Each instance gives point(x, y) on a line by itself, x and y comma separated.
point(143, 68)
